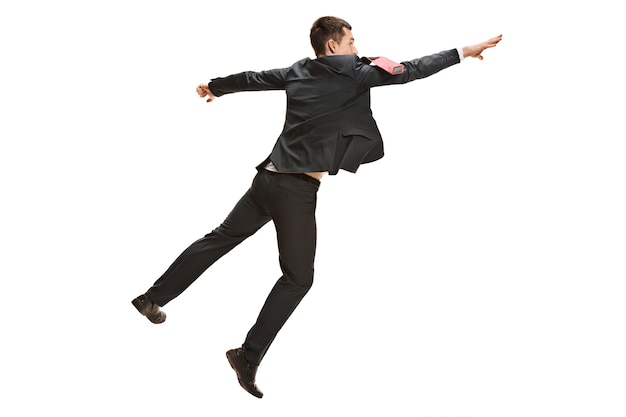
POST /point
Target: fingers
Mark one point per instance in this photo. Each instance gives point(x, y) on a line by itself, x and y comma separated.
point(202, 92)
point(480, 48)
point(494, 41)
point(490, 43)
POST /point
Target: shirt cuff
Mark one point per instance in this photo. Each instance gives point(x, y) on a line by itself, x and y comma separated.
point(460, 51)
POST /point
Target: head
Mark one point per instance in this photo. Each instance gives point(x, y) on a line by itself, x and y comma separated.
point(332, 36)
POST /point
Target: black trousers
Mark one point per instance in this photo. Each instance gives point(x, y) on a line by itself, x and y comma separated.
point(289, 200)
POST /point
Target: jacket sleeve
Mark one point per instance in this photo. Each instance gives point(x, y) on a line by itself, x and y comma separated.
point(414, 69)
point(249, 81)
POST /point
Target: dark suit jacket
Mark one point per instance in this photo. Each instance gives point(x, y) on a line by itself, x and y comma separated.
point(329, 124)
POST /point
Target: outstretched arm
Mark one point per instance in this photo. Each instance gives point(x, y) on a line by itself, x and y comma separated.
point(475, 51)
point(204, 91)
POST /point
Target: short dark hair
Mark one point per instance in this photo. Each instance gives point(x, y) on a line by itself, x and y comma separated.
point(324, 29)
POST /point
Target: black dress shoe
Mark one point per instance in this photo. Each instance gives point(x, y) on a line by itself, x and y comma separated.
point(246, 372)
point(149, 309)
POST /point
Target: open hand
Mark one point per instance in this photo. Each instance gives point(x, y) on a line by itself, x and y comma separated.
point(475, 51)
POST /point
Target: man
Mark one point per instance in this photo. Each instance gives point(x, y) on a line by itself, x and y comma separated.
point(328, 127)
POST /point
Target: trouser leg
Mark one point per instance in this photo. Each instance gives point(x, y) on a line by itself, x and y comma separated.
point(244, 220)
point(293, 212)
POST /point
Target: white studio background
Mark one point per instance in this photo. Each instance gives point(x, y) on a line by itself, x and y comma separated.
point(476, 270)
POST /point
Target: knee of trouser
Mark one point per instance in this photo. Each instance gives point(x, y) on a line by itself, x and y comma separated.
point(308, 283)
point(302, 282)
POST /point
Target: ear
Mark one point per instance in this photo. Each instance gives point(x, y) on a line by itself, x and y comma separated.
point(331, 47)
